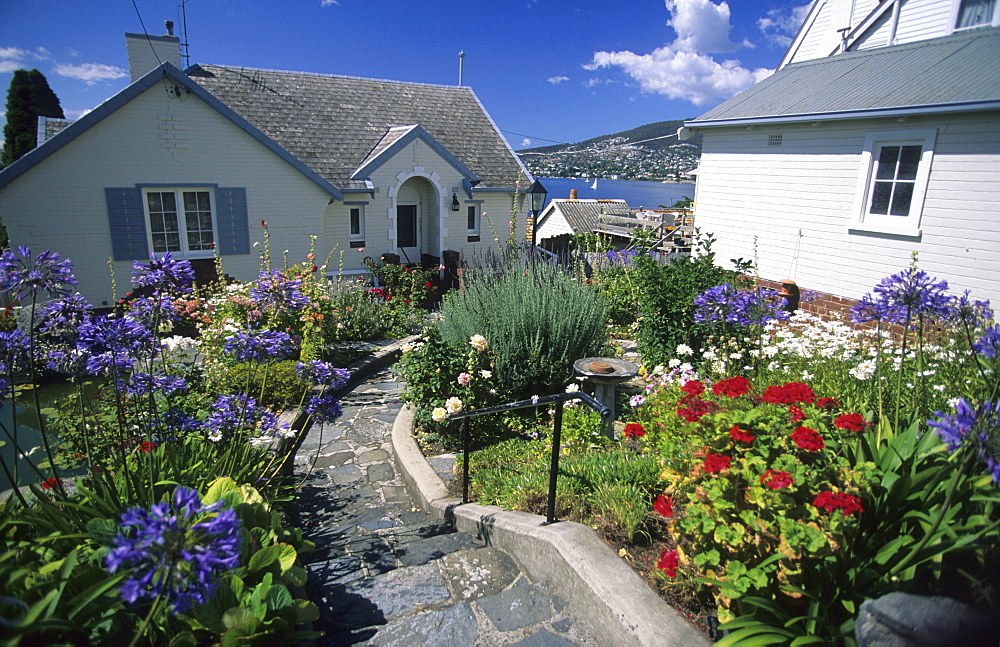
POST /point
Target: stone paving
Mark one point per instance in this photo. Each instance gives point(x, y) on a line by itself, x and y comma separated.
point(387, 573)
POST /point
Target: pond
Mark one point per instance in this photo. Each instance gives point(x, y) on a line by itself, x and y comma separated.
point(28, 435)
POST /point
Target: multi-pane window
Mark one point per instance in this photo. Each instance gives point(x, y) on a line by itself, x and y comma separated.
point(180, 221)
point(357, 223)
point(895, 170)
point(976, 13)
point(894, 179)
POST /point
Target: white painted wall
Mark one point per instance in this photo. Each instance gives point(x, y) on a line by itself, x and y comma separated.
point(794, 202)
point(156, 138)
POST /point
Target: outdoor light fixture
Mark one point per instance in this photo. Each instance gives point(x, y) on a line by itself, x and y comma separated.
point(454, 202)
point(537, 194)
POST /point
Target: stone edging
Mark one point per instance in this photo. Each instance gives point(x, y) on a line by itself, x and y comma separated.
point(577, 564)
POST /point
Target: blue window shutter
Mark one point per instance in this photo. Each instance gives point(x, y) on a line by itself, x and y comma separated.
point(127, 222)
point(231, 216)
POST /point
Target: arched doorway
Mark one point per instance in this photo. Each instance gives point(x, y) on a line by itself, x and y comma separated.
point(418, 229)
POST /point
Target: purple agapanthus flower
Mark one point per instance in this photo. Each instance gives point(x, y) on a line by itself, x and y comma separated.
point(26, 277)
point(154, 310)
point(232, 414)
point(324, 408)
point(145, 383)
point(973, 313)
point(322, 373)
point(179, 421)
point(724, 303)
point(903, 298)
point(978, 426)
point(164, 274)
point(61, 318)
point(14, 351)
point(177, 548)
point(273, 291)
point(258, 345)
point(989, 344)
point(114, 343)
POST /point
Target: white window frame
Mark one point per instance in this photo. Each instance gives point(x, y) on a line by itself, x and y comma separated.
point(956, 12)
point(360, 234)
point(908, 225)
point(178, 191)
point(477, 215)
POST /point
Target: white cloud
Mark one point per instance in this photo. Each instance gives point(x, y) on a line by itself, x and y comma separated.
point(90, 73)
point(684, 69)
point(781, 24)
point(327, 3)
point(76, 114)
point(701, 25)
point(526, 142)
point(14, 58)
point(556, 80)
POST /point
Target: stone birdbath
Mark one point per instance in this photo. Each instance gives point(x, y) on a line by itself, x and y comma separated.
point(605, 373)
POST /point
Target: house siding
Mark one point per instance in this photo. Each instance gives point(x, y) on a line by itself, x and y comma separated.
point(789, 206)
point(157, 138)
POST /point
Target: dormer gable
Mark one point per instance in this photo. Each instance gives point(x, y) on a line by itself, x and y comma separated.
point(398, 138)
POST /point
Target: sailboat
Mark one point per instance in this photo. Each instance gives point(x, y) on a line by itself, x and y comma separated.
point(594, 185)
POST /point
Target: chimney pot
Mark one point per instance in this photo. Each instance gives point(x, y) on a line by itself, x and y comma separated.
point(169, 24)
point(572, 194)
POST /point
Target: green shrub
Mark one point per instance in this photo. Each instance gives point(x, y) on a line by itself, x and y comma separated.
point(666, 299)
point(277, 386)
point(537, 319)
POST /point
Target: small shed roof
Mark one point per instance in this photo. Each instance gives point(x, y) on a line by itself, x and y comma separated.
point(951, 74)
point(584, 215)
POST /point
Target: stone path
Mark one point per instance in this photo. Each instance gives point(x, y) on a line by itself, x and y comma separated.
point(388, 573)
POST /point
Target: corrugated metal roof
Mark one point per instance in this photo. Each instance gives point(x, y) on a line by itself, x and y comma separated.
point(584, 215)
point(332, 123)
point(963, 69)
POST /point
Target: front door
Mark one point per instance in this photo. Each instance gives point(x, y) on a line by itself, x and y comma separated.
point(408, 232)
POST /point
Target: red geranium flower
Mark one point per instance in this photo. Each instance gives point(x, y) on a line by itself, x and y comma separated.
point(664, 505)
point(790, 393)
point(828, 403)
point(808, 439)
point(634, 430)
point(798, 415)
point(716, 463)
point(776, 479)
point(51, 483)
point(732, 387)
point(739, 434)
point(669, 563)
point(428, 284)
point(147, 446)
point(693, 387)
point(830, 501)
point(692, 408)
point(852, 421)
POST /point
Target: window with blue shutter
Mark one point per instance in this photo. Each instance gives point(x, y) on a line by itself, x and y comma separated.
point(232, 221)
point(127, 222)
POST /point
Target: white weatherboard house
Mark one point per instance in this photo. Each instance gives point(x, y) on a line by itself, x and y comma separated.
point(193, 161)
point(878, 136)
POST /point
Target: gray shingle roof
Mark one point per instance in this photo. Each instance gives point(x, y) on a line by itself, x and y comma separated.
point(584, 215)
point(956, 72)
point(332, 123)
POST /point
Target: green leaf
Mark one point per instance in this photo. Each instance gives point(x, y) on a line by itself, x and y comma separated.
point(762, 634)
point(278, 597)
point(103, 530)
point(282, 554)
point(239, 616)
point(296, 576)
point(219, 488)
point(306, 611)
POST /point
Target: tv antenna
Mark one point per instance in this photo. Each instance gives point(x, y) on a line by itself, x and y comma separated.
point(185, 48)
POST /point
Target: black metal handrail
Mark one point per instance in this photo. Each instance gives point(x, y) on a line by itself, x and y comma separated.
point(533, 403)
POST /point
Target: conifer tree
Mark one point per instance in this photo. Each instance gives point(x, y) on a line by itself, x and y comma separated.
point(28, 97)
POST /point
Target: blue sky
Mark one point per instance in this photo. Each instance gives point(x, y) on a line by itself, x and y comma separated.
point(546, 70)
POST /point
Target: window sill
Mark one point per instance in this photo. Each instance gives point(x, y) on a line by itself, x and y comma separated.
point(473, 239)
point(357, 244)
point(875, 228)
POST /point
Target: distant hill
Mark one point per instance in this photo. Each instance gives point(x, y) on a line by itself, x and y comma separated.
point(639, 134)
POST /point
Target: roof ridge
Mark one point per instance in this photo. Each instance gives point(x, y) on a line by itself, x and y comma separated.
point(328, 75)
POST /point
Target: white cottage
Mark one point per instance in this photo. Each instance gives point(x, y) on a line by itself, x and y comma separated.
point(878, 136)
point(191, 162)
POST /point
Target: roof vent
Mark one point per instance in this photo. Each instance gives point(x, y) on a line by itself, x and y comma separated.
point(774, 140)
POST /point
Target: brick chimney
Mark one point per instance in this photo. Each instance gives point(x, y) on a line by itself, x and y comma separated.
point(146, 52)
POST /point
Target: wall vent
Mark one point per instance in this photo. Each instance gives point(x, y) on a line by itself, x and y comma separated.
point(774, 140)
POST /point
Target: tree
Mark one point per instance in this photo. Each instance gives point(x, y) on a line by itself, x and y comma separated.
point(28, 98)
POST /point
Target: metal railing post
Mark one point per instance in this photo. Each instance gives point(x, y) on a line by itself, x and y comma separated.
point(465, 460)
point(550, 513)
